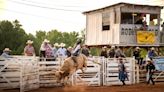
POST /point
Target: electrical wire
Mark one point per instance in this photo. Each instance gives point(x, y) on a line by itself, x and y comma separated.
point(45, 7)
point(34, 2)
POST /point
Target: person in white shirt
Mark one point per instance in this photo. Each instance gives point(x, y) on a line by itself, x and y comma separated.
point(54, 49)
point(62, 51)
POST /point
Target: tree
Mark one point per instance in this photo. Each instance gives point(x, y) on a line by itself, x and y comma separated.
point(12, 36)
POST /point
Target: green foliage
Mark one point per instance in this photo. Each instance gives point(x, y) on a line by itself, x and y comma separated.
point(128, 52)
point(12, 36)
point(161, 51)
point(143, 52)
point(95, 51)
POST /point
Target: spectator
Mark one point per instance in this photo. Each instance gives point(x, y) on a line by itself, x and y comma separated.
point(136, 54)
point(46, 49)
point(104, 52)
point(6, 53)
point(54, 49)
point(151, 22)
point(62, 51)
point(139, 20)
point(150, 71)
point(162, 27)
point(119, 53)
point(29, 49)
point(122, 71)
point(152, 53)
point(68, 52)
point(112, 52)
point(85, 50)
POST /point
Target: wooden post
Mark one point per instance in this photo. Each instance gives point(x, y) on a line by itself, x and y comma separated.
point(137, 71)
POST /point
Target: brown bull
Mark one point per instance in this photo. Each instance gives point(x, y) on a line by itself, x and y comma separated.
point(68, 68)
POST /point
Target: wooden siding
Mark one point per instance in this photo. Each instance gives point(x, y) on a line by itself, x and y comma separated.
point(95, 35)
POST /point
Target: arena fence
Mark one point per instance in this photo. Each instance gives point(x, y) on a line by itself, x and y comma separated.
point(19, 72)
point(92, 75)
point(47, 68)
point(29, 73)
point(111, 71)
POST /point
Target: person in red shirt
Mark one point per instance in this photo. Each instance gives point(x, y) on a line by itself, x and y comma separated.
point(29, 49)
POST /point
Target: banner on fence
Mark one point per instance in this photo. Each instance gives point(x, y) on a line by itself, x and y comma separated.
point(159, 64)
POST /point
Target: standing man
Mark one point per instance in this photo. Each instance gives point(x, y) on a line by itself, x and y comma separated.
point(150, 71)
point(54, 49)
point(6, 53)
point(85, 50)
point(162, 27)
point(122, 71)
point(104, 52)
point(46, 49)
point(152, 53)
point(136, 54)
point(112, 52)
point(29, 49)
point(62, 50)
point(119, 53)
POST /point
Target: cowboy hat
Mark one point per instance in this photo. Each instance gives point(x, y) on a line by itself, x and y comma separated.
point(112, 46)
point(7, 49)
point(29, 42)
point(104, 47)
point(62, 45)
point(46, 41)
point(152, 48)
point(137, 47)
point(56, 44)
point(69, 47)
point(148, 60)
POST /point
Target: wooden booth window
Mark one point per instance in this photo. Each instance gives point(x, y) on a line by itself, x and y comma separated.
point(105, 21)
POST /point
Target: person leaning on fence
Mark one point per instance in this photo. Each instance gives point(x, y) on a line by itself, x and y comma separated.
point(112, 52)
point(119, 53)
point(136, 54)
point(62, 50)
point(29, 49)
point(122, 71)
point(104, 52)
point(6, 53)
point(150, 68)
point(152, 53)
point(43, 49)
point(54, 50)
point(85, 50)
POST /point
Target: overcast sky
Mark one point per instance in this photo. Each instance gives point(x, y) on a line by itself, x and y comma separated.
point(63, 15)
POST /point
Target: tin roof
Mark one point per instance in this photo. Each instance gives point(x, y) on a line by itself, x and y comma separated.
point(120, 4)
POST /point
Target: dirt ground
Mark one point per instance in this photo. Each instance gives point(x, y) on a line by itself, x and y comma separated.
point(128, 88)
